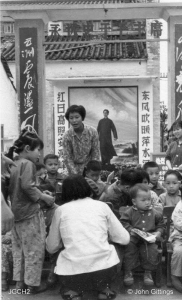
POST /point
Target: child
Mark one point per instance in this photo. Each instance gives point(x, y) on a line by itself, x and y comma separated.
point(28, 233)
point(118, 192)
point(152, 169)
point(92, 175)
point(155, 201)
point(41, 173)
point(172, 183)
point(143, 217)
point(52, 164)
point(176, 239)
point(44, 185)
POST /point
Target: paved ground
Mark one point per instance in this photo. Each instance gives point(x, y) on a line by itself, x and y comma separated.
point(136, 292)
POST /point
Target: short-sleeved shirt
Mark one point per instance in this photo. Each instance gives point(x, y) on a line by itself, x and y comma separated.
point(174, 154)
point(78, 151)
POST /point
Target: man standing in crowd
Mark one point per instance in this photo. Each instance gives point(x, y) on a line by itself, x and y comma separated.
point(104, 129)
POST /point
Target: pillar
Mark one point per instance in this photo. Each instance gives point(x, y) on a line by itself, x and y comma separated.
point(30, 72)
point(174, 68)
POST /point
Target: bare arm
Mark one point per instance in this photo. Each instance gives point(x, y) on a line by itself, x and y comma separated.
point(68, 156)
point(54, 241)
point(117, 233)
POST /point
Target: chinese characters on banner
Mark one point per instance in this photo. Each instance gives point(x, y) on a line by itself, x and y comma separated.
point(88, 32)
point(159, 158)
point(146, 127)
point(178, 71)
point(28, 78)
point(61, 124)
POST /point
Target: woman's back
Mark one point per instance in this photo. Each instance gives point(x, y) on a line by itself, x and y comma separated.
point(84, 226)
point(84, 223)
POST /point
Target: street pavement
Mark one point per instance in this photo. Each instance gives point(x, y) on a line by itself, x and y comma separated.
point(136, 292)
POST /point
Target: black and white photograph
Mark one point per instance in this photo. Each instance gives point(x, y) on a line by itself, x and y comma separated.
point(91, 149)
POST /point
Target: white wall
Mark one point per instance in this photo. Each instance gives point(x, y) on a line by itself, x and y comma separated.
point(8, 109)
point(61, 69)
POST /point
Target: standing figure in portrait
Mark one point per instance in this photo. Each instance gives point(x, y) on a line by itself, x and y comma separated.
point(104, 129)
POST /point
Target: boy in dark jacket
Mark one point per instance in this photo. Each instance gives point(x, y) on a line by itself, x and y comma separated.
point(144, 217)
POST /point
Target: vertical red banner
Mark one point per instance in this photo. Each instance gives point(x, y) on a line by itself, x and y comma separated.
point(178, 71)
point(28, 78)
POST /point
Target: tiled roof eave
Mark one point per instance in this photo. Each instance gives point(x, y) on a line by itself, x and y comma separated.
point(97, 60)
point(59, 48)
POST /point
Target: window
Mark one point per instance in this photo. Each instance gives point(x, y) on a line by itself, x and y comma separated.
point(8, 28)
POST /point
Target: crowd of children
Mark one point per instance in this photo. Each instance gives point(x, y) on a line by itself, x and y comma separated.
point(35, 193)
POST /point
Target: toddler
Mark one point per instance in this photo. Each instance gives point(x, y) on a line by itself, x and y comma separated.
point(145, 218)
point(155, 201)
point(152, 169)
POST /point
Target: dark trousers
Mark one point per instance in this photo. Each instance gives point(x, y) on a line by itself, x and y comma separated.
point(140, 252)
point(88, 281)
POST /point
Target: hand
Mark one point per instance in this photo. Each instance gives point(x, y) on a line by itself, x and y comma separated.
point(49, 200)
point(47, 193)
point(115, 139)
point(151, 185)
point(157, 235)
point(110, 177)
point(7, 217)
point(132, 233)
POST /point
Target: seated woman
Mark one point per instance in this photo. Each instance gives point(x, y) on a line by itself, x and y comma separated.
point(83, 225)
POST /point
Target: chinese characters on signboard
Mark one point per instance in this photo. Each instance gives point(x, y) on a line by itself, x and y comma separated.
point(159, 158)
point(145, 130)
point(88, 32)
point(28, 78)
point(61, 125)
point(178, 71)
